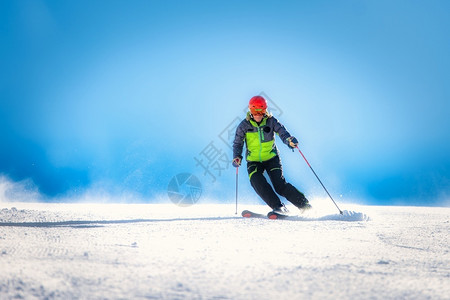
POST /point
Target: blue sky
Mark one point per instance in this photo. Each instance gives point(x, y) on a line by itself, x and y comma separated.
point(121, 96)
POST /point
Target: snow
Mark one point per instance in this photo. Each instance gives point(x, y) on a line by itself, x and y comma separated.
point(161, 251)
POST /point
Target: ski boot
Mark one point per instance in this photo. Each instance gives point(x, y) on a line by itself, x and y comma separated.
point(278, 213)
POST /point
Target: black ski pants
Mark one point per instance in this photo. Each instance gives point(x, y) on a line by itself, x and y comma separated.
point(259, 183)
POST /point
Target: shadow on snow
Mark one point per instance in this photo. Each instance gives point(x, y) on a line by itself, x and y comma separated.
point(348, 216)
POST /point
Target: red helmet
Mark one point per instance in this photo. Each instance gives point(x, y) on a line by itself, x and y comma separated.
point(257, 105)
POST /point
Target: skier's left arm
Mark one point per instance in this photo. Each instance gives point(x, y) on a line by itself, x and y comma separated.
point(285, 136)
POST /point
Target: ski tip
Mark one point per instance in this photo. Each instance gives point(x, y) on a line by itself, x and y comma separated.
point(246, 214)
point(273, 216)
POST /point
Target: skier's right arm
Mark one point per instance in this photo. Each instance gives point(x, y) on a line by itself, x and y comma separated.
point(238, 143)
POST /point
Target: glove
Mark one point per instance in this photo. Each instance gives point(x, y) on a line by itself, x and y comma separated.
point(292, 142)
point(237, 162)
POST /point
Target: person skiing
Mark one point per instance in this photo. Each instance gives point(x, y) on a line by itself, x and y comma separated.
point(257, 131)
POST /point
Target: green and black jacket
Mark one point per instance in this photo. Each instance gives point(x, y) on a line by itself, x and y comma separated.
point(259, 138)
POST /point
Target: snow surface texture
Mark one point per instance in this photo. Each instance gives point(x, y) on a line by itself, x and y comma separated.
point(150, 251)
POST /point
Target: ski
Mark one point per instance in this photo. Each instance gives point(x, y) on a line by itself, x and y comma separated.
point(276, 216)
point(250, 214)
point(271, 215)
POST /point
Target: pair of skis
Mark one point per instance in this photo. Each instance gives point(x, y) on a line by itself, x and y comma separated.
point(271, 215)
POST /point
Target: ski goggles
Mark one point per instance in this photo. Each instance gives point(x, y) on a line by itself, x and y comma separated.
point(258, 111)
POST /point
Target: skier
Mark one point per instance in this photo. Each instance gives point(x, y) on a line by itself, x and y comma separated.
point(258, 130)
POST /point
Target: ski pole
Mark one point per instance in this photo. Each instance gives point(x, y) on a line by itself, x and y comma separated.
point(237, 168)
point(340, 211)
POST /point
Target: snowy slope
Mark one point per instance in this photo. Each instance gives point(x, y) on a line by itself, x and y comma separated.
point(150, 251)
